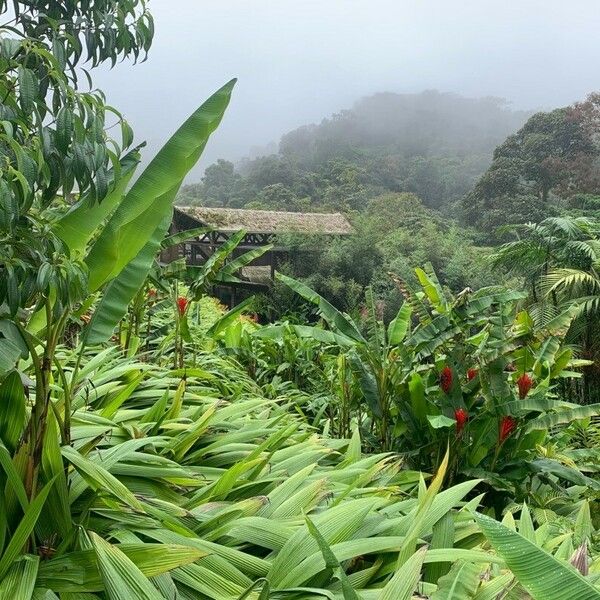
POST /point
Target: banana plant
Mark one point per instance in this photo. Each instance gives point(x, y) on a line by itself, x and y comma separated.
point(372, 358)
point(105, 249)
point(470, 369)
point(184, 286)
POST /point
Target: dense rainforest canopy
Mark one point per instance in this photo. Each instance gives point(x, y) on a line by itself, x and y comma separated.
point(431, 144)
point(409, 412)
point(409, 169)
point(549, 166)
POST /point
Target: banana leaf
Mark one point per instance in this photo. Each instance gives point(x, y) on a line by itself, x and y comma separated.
point(121, 290)
point(183, 236)
point(245, 259)
point(398, 328)
point(561, 417)
point(151, 197)
point(131, 229)
point(276, 332)
point(229, 317)
point(339, 322)
point(76, 228)
point(542, 575)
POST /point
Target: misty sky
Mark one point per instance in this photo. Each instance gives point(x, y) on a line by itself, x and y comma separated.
point(301, 60)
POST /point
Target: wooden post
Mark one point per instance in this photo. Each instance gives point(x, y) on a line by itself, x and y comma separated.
point(272, 253)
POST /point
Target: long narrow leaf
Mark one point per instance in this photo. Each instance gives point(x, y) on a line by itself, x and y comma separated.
point(12, 411)
point(331, 561)
point(77, 226)
point(542, 575)
point(151, 197)
point(23, 531)
point(402, 585)
point(19, 583)
point(99, 478)
point(122, 579)
point(121, 290)
point(229, 317)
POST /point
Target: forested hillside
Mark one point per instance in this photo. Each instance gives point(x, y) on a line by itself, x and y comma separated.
point(431, 144)
point(421, 443)
point(397, 165)
point(425, 178)
point(550, 166)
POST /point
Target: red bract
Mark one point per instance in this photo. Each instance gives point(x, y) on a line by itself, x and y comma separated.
point(471, 374)
point(524, 384)
point(507, 426)
point(461, 416)
point(182, 305)
point(446, 379)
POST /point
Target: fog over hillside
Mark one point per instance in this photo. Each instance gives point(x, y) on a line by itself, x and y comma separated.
point(429, 123)
point(298, 62)
point(432, 144)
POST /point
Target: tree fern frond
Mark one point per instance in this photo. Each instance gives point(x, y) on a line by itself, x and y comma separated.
point(583, 247)
point(569, 280)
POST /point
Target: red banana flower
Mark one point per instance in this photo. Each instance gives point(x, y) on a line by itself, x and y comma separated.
point(461, 417)
point(507, 426)
point(446, 379)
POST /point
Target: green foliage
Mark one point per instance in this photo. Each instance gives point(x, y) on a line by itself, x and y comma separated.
point(197, 454)
point(470, 369)
point(12, 420)
point(542, 575)
point(54, 136)
point(202, 481)
point(373, 163)
point(548, 159)
point(125, 249)
point(431, 144)
point(393, 234)
point(558, 260)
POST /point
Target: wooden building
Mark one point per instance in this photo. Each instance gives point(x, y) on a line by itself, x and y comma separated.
point(262, 227)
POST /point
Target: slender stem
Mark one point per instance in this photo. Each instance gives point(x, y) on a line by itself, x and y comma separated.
point(129, 330)
point(64, 424)
point(148, 331)
point(496, 454)
point(61, 423)
point(176, 361)
point(35, 359)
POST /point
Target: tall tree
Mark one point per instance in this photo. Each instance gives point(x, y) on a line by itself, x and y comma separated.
point(559, 260)
point(53, 143)
point(220, 181)
point(67, 227)
point(551, 157)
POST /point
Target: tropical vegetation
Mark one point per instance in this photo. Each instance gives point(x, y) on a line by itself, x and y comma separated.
point(435, 443)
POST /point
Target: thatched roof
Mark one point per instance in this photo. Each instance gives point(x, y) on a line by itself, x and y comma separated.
point(268, 221)
point(258, 274)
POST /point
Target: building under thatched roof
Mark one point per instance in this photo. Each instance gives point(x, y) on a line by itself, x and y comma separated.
point(262, 228)
point(268, 221)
